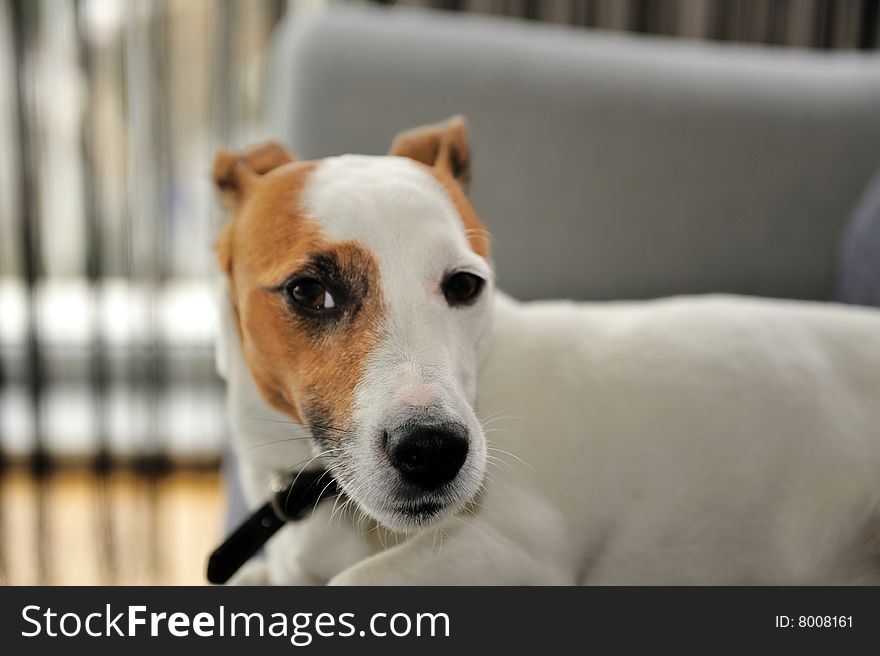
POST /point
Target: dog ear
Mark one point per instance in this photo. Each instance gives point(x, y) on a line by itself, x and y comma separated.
point(443, 146)
point(233, 174)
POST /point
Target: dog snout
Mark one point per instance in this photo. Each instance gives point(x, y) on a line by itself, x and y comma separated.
point(428, 455)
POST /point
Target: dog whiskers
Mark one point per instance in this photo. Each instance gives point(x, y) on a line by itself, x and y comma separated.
point(347, 503)
point(302, 469)
point(271, 442)
point(321, 495)
point(285, 422)
point(329, 427)
point(339, 495)
point(500, 466)
point(508, 453)
point(497, 414)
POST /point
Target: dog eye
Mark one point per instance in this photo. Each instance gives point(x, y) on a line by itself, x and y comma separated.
point(462, 288)
point(309, 294)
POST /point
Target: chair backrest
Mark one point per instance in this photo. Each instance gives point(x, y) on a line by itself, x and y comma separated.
point(606, 166)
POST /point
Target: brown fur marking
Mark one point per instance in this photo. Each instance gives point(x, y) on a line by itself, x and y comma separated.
point(297, 371)
point(477, 235)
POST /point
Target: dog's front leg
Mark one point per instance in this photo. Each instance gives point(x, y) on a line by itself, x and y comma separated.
point(465, 551)
point(255, 572)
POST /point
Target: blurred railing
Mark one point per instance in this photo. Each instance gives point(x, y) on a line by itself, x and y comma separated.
point(838, 24)
point(111, 110)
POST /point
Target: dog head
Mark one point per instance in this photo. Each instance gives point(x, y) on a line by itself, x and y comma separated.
point(361, 289)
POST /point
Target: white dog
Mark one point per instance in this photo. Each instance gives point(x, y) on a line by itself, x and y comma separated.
point(477, 440)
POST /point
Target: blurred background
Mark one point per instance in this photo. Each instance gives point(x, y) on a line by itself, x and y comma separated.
point(112, 426)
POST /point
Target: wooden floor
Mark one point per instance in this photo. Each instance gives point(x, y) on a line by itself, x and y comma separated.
point(123, 529)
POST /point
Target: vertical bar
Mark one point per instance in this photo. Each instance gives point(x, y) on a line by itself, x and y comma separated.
point(590, 14)
point(94, 273)
point(844, 35)
point(800, 23)
point(823, 24)
point(4, 576)
point(160, 264)
point(869, 24)
point(221, 79)
point(693, 19)
point(614, 15)
point(25, 21)
point(777, 12)
point(135, 85)
point(149, 168)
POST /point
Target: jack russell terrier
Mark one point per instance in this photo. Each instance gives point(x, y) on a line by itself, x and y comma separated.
point(478, 440)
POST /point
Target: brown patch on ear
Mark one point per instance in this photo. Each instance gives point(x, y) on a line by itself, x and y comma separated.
point(234, 173)
point(225, 162)
point(442, 146)
point(266, 157)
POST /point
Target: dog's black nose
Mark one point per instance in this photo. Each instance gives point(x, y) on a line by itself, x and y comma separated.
point(428, 456)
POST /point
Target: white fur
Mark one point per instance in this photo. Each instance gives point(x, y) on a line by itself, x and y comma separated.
point(688, 440)
point(427, 357)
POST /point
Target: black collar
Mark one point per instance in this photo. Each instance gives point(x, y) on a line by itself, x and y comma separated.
point(293, 500)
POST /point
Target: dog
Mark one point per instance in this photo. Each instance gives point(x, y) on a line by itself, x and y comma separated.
point(478, 440)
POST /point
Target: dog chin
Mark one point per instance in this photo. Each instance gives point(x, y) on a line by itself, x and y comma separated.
point(416, 517)
point(410, 515)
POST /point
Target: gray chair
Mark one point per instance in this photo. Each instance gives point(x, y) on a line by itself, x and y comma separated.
point(606, 165)
point(858, 281)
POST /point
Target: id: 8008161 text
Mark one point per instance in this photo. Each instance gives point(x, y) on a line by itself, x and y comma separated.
point(814, 622)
